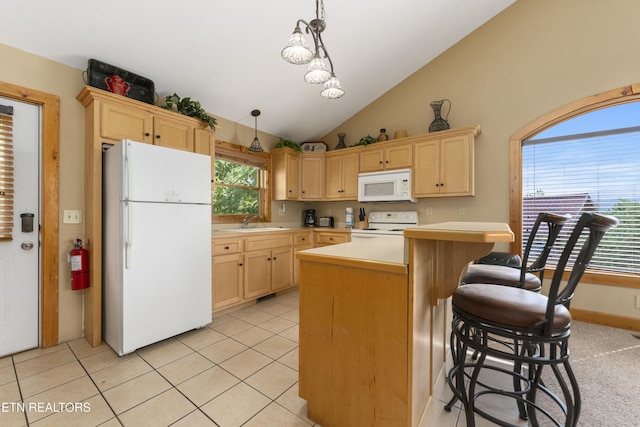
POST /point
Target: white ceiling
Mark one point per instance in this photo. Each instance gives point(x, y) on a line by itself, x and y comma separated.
point(226, 54)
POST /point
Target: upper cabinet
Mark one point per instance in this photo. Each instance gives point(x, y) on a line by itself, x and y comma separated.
point(392, 156)
point(442, 164)
point(341, 171)
point(445, 167)
point(312, 176)
point(285, 172)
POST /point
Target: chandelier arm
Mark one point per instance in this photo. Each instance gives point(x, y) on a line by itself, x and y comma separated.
point(324, 49)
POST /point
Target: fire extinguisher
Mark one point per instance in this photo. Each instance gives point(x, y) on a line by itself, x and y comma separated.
point(79, 258)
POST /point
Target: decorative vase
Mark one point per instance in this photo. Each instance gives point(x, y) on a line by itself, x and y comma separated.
point(439, 123)
point(341, 143)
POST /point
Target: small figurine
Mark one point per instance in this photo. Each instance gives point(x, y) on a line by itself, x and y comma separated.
point(383, 135)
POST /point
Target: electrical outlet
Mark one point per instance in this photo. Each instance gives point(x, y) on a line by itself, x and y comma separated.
point(637, 301)
point(72, 217)
point(461, 211)
point(429, 211)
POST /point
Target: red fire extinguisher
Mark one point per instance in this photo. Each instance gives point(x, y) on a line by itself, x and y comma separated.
point(79, 258)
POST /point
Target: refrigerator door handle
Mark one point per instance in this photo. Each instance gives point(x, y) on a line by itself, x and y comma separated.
point(128, 238)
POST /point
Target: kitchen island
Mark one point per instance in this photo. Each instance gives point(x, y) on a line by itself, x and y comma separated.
point(373, 321)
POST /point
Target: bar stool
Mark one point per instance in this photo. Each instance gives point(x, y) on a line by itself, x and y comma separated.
point(527, 276)
point(524, 328)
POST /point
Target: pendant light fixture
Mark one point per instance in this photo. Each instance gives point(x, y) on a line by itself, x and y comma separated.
point(297, 52)
point(255, 145)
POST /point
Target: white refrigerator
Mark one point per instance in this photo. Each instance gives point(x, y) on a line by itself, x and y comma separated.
point(157, 244)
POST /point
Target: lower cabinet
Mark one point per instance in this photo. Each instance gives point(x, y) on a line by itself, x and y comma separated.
point(245, 269)
point(266, 271)
point(301, 241)
point(326, 238)
point(226, 280)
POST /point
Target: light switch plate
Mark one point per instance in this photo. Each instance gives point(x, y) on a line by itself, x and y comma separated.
point(72, 217)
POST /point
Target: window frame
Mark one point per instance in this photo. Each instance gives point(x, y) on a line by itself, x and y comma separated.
point(606, 99)
point(229, 151)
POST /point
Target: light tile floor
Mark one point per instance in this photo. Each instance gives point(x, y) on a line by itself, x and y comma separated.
point(241, 370)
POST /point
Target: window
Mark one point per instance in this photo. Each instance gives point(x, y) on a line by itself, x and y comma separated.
point(6, 173)
point(590, 163)
point(240, 187)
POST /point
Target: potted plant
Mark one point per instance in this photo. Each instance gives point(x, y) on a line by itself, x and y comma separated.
point(189, 108)
point(365, 140)
point(289, 144)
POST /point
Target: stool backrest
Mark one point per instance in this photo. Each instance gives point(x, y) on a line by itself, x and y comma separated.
point(593, 226)
point(554, 223)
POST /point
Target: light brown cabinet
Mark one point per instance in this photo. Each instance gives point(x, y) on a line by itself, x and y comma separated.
point(341, 171)
point(285, 172)
point(110, 118)
point(227, 268)
point(301, 241)
point(393, 156)
point(444, 167)
point(325, 238)
point(268, 264)
point(123, 122)
point(312, 176)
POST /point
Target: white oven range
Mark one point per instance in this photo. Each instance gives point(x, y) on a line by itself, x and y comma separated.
point(386, 224)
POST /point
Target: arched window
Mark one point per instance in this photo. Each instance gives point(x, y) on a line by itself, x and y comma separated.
point(581, 158)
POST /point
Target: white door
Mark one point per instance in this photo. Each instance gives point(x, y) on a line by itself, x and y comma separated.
point(19, 258)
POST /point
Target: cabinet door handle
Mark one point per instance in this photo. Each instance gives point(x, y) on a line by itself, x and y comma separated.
point(380, 162)
point(274, 258)
point(330, 238)
point(240, 265)
point(387, 162)
point(226, 248)
point(268, 259)
point(157, 136)
point(147, 134)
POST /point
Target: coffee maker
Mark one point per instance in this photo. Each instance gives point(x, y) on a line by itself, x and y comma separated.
point(310, 219)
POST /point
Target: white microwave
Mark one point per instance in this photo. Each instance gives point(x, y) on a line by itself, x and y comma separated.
point(385, 186)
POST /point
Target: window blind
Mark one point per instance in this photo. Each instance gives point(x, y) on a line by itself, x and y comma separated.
point(6, 173)
point(590, 172)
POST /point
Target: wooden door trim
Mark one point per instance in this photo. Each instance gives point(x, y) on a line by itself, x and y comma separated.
point(49, 215)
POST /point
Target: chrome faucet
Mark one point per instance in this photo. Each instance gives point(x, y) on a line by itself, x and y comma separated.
point(247, 219)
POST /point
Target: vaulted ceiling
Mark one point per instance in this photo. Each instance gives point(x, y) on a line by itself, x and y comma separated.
point(226, 54)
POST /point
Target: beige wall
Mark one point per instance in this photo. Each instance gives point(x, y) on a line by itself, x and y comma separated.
point(533, 58)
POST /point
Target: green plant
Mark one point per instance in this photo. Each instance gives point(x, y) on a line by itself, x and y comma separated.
point(189, 108)
point(288, 143)
point(365, 140)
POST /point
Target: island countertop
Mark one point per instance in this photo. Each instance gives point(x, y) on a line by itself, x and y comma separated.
point(461, 231)
point(381, 254)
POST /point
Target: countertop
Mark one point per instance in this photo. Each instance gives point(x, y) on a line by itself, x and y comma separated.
point(381, 253)
point(461, 231)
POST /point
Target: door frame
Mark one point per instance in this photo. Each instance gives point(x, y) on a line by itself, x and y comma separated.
point(49, 215)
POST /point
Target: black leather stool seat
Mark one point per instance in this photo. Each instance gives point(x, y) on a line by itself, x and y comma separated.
point(515, 307)
point(500, 275)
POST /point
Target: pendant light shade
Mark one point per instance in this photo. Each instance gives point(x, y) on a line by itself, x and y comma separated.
point(255, 145)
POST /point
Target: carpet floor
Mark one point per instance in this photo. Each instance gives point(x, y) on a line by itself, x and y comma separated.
point(606, 363)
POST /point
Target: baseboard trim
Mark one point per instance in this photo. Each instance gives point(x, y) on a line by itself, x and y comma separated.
point(606, 319)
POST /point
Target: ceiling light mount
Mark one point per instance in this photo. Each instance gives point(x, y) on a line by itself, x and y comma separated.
point(297, 52)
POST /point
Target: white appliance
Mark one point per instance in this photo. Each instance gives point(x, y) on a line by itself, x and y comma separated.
point(386, 224)
point(157, 244)
point(385, 186)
